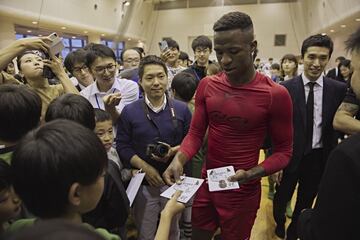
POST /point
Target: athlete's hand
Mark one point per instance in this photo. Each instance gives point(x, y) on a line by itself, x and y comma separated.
point(173, 172)
point(240, 176)
point(276, 177)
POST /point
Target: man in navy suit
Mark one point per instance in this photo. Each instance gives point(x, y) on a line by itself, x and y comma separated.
point(315, 100)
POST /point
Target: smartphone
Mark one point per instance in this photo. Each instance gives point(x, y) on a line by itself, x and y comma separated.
point(47, 72)
point(163, 46)
point(57, 45)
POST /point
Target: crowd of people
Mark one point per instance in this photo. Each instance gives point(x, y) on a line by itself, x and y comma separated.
point(73, 134)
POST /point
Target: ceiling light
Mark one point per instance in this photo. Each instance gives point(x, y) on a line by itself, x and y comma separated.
point(129, 39)
point(73, 37)
point(34, 22)
point(85, 31)
point(358, 19)
point(40, 35)
point(103, 34)
point(332, 30)
point(343, 26)
point(63, 28)
point(323, 34)
point(29, 31)
point(126, 3)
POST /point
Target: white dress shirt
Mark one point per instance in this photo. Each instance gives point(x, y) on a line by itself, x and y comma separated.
point(318, 100)
point(128, 89)
point(153, 108)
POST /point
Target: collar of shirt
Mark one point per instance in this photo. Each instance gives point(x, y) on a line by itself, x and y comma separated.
point(319, 81)
point(114, 88)
point(156, 109)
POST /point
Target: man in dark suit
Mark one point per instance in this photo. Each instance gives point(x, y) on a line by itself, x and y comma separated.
point(335, 73)
point(315, 100)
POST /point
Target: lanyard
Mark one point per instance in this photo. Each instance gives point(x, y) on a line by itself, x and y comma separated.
point(97, 101)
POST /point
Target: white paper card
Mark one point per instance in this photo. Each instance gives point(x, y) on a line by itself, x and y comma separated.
point(134, 186)
point(188, 186)
point(217, 179)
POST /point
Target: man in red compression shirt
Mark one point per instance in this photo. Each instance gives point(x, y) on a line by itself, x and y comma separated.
point(240, 106)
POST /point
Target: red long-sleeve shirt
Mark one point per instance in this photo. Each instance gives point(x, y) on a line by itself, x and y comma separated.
point(239, 117)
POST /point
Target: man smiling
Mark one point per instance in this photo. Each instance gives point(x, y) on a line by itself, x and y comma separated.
point(107, 92)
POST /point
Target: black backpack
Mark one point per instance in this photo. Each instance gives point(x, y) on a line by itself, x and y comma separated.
point(113, 208)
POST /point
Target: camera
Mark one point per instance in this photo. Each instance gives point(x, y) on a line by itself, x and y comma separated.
point(159, 149)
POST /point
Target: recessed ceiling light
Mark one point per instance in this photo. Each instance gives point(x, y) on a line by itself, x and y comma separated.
point(29, 31)
point(358, 19)
point(332, 30)
point(34, 22)
point(73, 37)
point(103, 34)
point(126, 3)
point(40, 35)
point(86, 31)
point(63, 27)
point(343, 26)
point(129, 39)
point(323, 34)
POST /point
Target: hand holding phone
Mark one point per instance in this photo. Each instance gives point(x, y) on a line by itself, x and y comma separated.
point(163, 46)
point(56, 45)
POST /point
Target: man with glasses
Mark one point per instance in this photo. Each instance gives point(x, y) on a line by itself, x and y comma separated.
point(130, 59)
point(202, 47)
point(107, 92)
point(75, 63)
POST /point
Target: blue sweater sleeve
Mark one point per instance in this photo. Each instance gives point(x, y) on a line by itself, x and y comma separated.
point(123, 138)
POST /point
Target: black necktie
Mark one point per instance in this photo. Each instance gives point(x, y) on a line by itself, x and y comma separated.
point(310, 116)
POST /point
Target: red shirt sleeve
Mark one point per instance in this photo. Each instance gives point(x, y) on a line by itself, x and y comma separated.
point(281, 130)
point(193, 140)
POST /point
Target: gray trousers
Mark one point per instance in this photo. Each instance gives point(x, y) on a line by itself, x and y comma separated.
point(147, 207)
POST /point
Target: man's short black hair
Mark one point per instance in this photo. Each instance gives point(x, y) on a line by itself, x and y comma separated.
point(317, 40)
point(150, 60)
point(48, 160)
point(20, 111)
point(340, 58)
point(345, 63)
point(72, 107)
point(183, 56)
point(184, 85)
point(275, 66)
point(6, 176)
point(353, 42)
point(101, 115)
point(123, 52)
point(78, 56)
point(233, 20)
point(172, 43)
point(98, 50)
point(202, 42)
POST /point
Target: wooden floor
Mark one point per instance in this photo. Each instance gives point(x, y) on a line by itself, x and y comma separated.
point(264, 224)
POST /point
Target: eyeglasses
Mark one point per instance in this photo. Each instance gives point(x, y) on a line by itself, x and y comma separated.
point(101, 70)
point(78, 69)
point(204, 50)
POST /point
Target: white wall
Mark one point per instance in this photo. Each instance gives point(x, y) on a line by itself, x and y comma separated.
point(268, 19)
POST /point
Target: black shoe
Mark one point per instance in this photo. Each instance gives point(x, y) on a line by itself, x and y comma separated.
point(280, 231)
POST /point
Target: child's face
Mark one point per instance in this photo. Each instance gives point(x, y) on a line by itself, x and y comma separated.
point(10, 205)
point(104, 131)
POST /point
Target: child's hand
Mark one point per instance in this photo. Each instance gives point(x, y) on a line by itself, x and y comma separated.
point(173, 207)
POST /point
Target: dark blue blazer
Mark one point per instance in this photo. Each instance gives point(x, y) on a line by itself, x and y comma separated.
point(333, 94)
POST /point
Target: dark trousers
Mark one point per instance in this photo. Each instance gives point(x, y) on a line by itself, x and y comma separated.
point(308, 175)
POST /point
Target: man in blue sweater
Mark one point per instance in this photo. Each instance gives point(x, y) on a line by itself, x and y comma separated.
point(150, 131)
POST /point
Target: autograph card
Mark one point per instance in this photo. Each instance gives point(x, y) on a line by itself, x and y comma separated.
point(217, 179)
point(188, 186)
